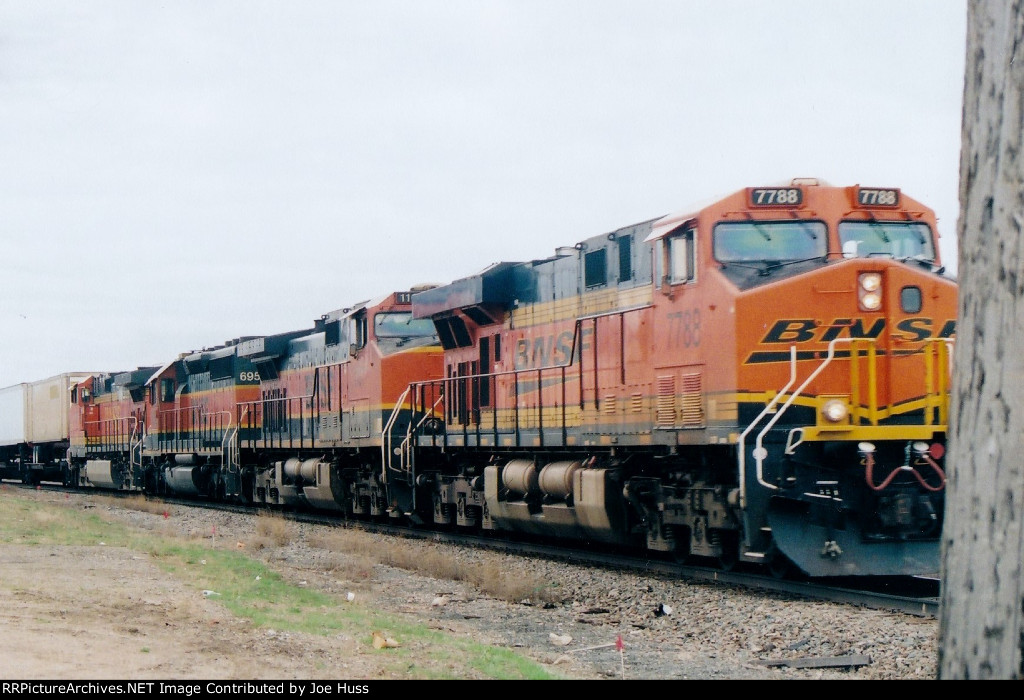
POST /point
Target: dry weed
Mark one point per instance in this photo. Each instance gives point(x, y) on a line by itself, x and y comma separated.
point(492, 579)
point(360, 567)
point(273, 529)
point(430, 560)
point(135, 502)
point(343, 540)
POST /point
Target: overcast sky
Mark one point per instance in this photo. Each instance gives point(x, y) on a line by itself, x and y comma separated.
point(176, 174)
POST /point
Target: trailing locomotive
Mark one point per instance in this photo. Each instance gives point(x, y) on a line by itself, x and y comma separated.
point(761, 379)
point(293, 419)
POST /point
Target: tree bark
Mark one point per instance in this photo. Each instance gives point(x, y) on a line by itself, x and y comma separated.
point(980, 627)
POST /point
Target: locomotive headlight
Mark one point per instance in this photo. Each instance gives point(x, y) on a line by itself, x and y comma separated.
point(871, 301)
point(834, 411)
point(869, 291)
point(870, 281)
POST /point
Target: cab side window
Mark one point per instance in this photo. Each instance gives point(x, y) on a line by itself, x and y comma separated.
point(680, 263)
point(360, 322)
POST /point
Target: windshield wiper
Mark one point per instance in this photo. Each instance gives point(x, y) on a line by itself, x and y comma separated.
point(765, 267)
point(784, 263)
point(879, 229)
point(806, 228)
point(761, 268)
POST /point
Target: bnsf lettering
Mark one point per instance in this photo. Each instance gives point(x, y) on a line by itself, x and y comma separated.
point(790, 332)
point(855, 327)
point(915, 328)
point(920, 328)
point(804, 330)
point(546, 350)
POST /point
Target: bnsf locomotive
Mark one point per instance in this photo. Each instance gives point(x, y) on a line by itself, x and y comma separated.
point(761, 379)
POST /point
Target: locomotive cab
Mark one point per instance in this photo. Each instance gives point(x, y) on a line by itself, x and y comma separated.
point(827, 323)
point(328, 428)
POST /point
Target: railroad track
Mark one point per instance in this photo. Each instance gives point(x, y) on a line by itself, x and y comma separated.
point(917, 596)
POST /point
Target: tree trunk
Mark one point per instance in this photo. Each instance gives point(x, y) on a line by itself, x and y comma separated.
point(980, 628)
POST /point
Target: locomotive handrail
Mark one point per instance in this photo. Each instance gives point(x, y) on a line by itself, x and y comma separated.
point(117, 439)
point(746, 431)
point(936, 385)
point(228, 444)
point(227, 428)
point(939, 384)
point(406, 446)
point(419, 400)
point(385, 435)
point(515, 374)
point(107, 440)
point(759, 452)
point(197, 414)
point(246, 420)
point(135, 446)
point(267, 427)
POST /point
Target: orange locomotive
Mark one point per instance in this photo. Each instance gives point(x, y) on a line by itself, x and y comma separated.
point(107, 417)
point(167, 429)
point(318, 434)
point(293, 419)
point(761, 379)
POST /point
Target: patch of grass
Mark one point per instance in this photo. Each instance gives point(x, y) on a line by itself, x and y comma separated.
point(30, 521)
point(251, 590)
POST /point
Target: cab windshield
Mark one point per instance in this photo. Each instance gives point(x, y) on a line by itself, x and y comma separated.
point(899, 239)
point(401, 324)
point(769, 241)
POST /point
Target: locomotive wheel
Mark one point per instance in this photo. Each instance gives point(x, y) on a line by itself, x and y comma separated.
point(681, 553)
point(730, 555)
point(246, 489)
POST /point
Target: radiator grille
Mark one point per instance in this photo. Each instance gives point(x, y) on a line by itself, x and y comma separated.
point(692, 401)
point(665, 407)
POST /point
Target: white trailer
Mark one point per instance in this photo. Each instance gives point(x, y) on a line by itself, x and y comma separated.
point(34, 428)
point(13, 433)
point(13, 412)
